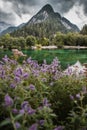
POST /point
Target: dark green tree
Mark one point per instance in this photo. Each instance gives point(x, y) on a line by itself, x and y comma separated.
point(58, 39)
point(84, 30)
point(30, 41)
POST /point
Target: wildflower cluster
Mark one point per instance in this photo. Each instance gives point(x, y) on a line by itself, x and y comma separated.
point(34, 96)
point(24, 97)
point(78, 116)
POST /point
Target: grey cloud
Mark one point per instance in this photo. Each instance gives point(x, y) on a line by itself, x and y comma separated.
point(8, 17)
point(23, 6)
point(18, 7)
point(24, 2)
point(79, 15)
point(84, 3)
point(63, 5)
point(31, 7)
point(26, 6)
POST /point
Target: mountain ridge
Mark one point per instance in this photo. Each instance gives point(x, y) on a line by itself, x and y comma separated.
point(11, 29)
point(46, 18)
point(3, 26)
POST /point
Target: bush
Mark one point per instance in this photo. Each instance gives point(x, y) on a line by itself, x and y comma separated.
point(60, 96)
point(23, 95)
point(34, 96)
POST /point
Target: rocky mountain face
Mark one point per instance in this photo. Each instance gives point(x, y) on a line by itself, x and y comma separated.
point(12, 29)
point(3, 26)
point(47, 13)
point(46, 21)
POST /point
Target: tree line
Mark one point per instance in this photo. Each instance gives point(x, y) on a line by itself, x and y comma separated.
point(59, 39)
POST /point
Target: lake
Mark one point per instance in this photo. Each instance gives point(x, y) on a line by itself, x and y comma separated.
point(65, 57)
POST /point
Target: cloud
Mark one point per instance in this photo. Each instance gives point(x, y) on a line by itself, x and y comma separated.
point(63, 5)
point(19, 11)
point(4, 16)
point(77, 13)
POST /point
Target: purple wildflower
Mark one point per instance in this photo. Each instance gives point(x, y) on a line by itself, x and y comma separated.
point(32, 87)
point(31, 111)
point(81, 72)
point(21, 111)
point(44, 70)
point(8, 100)
point(25, 105)
point(5, 59)
point(71, 97)
point(33, 127)
point(40, 108)
point(15, 111)
point(13, 62)
point(78, 95)
point(1, 66)
point(44, 80)
point(2, 74)
point(35, 72)
point(17, 79)
point(29, 60)
point(17, 125)
point(41, 122)
point(12, 85)
point(69, 71)
point(25, 75)
point(19, 71)
point(45, 102)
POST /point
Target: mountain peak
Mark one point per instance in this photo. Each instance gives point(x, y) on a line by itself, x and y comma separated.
point(42, 15)
point(46, 20)
point(48, 8)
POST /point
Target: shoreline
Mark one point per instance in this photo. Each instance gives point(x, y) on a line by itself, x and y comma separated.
point(64, 47)
point(75, 47)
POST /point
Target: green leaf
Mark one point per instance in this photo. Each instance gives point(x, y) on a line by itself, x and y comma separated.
point(18, 116)
point(5, 122)
point(53, 115)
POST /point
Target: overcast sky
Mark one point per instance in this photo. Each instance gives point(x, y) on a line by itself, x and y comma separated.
point(18, 11)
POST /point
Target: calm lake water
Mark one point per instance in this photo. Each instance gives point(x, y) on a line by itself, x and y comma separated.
point(65, 57)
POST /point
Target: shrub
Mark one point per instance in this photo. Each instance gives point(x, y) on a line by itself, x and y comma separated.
point(23, 95)
point(60, 93)
point(34, 96)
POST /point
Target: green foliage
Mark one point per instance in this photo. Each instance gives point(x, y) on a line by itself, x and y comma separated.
point(78, 115)
point(27, 95)
point(43, 41)
point(60, 96)
point(70, 39)
point(59, 40)
point(9, 42)
point(46, 28)
point(84, 30)
point(38, 46)
point(31, 41)
point(36, 94)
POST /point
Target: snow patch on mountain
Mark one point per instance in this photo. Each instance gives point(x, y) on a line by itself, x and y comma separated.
point(66, 25)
